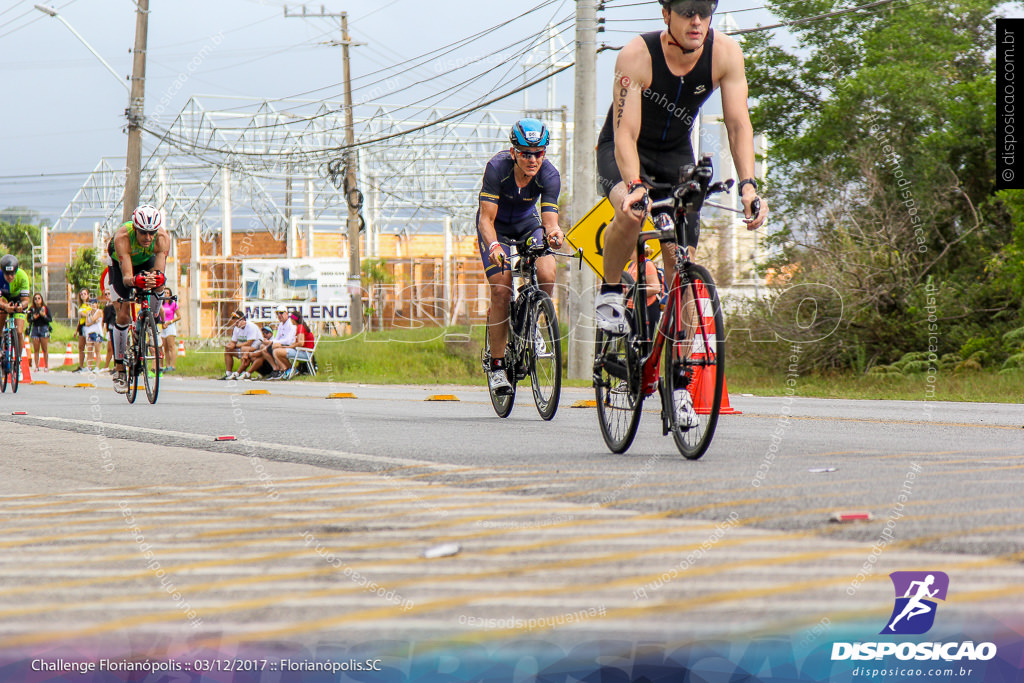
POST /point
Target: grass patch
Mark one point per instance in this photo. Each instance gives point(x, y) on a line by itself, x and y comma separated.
point(452, 356)
point(416, 356)
point(978, 386)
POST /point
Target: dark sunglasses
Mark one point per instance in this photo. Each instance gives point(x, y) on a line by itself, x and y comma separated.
point(692, 8)
point(530, 155)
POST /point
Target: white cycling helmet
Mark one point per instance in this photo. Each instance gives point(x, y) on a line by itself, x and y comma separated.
point(147, 218)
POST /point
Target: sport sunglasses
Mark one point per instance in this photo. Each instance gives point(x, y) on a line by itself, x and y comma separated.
point(530, 155)
point(691, 8)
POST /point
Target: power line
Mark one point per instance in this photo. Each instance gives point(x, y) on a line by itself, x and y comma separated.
point(806, 20)
point(441, 93)
point(189, 147)
point(421, 59)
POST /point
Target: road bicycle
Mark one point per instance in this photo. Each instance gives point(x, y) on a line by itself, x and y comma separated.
point(690, 332)
point(142, 353)
point(534, 346)
point(10, 356)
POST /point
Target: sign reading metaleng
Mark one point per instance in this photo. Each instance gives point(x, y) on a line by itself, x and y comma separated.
point(318, 288)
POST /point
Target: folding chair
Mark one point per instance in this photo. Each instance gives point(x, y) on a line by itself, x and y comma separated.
point(307, 360)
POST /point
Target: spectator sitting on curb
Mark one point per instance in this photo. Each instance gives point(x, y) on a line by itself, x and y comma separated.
point(252, 360)
point(284, 337)
point(301, 347)
point(244, 333)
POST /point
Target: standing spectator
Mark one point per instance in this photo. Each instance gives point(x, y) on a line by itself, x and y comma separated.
point(83, 308)
point(39, 319)
point(93, 334)
point(169, 330)
point(283, 338)
point(243, 334)
point(109, 320)
point(301, 348)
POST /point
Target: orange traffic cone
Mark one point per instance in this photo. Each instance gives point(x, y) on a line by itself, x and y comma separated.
point(26, 370)
point(702, 386)
point(68, 354)
point(181, 348)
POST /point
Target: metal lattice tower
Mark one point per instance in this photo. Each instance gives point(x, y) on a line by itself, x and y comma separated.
point(281, 155)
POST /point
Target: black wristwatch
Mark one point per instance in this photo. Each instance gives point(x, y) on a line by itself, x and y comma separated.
point(739, 188)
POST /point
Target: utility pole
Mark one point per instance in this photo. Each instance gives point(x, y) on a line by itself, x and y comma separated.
point(136, 108)
point(355, 287)
point(354, 267)
point(584, 186)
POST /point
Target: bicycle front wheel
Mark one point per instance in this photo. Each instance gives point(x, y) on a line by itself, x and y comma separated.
point(546, 350)
point(5, 363)
point(502, 403)
point(16, 367)
point(131, 365)
point(694, 362)
point(619, 390)
point(150, 358)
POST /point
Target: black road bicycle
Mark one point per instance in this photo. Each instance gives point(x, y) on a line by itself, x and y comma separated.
point(10, 356)
point(691, 332)
point(534, 346)
point(142, 354)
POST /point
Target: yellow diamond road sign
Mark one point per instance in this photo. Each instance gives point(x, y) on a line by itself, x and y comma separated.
point(588, 235)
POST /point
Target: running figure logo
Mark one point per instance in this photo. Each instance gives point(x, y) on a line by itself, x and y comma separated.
point(914, 613)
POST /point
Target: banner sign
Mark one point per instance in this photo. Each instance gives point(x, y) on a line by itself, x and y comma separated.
point(316, 287)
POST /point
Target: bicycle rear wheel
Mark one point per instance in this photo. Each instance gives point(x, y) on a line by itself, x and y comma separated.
point(695, 360)
point(502, 403)
point(131, 368)
point(619, 389)
point(546, 350)
point(150, 358)
point(16, 367)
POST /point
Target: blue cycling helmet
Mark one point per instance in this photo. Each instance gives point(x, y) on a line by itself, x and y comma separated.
point(529, 133)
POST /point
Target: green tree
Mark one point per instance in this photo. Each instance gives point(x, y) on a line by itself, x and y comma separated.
point(85, 270)
point(374, 273)
point(882, 170)
point(18, 239)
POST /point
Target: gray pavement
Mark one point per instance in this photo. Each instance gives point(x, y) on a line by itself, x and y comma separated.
point(262, 536)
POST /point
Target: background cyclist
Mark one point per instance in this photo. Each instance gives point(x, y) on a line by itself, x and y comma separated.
point(138, 255)
point(15, 295)
point(514, 181)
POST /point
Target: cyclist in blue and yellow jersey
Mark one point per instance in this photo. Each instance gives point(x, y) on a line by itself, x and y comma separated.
point(15, 295)
point(514, 182)
point(138, 255)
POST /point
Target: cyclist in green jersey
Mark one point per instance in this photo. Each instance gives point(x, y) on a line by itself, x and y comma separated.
point(15, 295)
point(138, 255)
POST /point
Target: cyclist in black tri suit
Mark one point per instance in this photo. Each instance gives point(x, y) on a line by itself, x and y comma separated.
point(514, 182)
point(138, 255)
point(661, 80)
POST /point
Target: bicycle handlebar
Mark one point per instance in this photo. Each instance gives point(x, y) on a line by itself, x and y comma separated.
point(529, 248)
point(694, 188)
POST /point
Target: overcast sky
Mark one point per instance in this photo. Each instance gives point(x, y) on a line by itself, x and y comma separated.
point(63, 110)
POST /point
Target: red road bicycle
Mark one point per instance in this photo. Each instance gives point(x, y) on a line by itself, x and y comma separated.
point(628, 368)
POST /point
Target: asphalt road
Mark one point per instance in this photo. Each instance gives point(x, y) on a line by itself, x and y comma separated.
point(289, 530)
